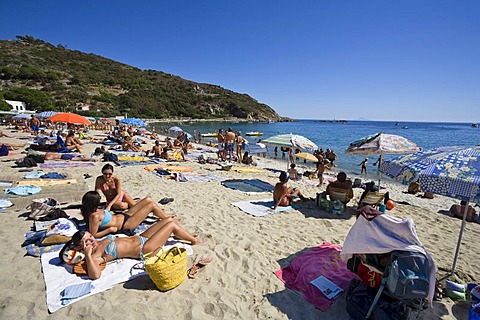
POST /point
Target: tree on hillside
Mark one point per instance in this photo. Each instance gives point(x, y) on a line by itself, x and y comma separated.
point(35, 99)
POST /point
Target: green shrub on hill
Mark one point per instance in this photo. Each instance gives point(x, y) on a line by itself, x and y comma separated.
point(55, 78)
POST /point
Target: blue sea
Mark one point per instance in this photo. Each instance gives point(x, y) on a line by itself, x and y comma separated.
point(338, 136)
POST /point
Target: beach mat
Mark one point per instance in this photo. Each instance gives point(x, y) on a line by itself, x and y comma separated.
point(323, 260)
point(65, 164)
point(260, 208)
point(171, 168)
point(248, 185)
point(46, 182)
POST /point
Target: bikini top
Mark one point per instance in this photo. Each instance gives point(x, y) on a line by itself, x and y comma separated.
point(111, 248)
point(107, 217)
point(105, 186)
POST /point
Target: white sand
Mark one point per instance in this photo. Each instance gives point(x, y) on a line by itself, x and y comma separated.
point(239, 283)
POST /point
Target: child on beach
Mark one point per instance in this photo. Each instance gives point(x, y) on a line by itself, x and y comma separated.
point(364, 166)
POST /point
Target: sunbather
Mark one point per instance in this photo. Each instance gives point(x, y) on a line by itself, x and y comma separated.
point(67, 156)
point(283, 195)
point(111, 187)
point(128, 145)
point(70, 143)
point(151, 240)
point(102, 222)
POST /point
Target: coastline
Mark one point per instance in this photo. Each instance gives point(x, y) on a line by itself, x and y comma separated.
point(239, 283)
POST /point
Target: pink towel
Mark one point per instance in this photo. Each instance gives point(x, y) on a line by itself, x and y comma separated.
point(322, 260)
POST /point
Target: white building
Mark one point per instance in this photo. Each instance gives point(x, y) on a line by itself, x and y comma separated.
point(18, 107)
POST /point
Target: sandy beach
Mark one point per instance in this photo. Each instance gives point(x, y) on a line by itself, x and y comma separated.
point(240, 282)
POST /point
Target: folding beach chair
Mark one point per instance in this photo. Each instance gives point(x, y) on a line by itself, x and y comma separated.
point(373, 198)
point(339, 194)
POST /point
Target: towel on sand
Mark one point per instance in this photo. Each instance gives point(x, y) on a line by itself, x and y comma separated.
point(248, 185)
point(324, 261)
point(58, 276)
point(259, 208)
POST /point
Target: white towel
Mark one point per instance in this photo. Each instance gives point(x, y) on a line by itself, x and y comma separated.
point(259, 208)
point(58, 275)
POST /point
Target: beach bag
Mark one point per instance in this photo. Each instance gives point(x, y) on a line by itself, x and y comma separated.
point(167, 269)
point(41, 207)
point(3, 151)
point(406, 277)
point(110, 157)
point(26, 162)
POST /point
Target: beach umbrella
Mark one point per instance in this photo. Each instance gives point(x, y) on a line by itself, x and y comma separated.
point(382, 143)
point(175, 129)
point(22, 117)
point(452, 171)
point(134, 122)
point(46, 114)
point(69, 118)
point(306, 156)
point(291, 141)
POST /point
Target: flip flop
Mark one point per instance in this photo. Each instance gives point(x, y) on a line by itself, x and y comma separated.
point(195, 269)
point(165, 200)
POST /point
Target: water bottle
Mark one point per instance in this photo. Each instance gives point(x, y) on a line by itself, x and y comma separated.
point(382, 208)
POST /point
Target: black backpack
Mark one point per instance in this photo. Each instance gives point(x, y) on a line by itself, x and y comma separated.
point(110, 157)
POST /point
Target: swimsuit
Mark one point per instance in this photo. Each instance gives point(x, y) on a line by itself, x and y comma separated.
point(106, 187)
point(106, 218)
point(111, 248)
point(68, 156)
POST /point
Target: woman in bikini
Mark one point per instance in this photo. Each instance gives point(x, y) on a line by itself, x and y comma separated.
point(108, 249)
point(102, 222)
point(111, 187)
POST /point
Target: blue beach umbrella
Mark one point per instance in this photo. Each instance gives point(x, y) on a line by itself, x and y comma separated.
point(452, 171)
point(134, 122)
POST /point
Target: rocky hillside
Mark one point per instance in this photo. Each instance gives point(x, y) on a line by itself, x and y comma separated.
point(52, 77)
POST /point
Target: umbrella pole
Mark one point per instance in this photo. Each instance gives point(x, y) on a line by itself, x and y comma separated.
point(457, 250)
point(379, 174)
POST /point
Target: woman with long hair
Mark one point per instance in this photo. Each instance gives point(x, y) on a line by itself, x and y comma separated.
point(102, 222)
point(111, 187)
point(108, 249)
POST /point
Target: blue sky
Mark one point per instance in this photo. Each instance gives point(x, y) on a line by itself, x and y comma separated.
point(404, 60)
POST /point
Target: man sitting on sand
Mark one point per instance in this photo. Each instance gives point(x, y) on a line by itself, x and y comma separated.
point(283, 195)
point(341, 183)
point(156, 150)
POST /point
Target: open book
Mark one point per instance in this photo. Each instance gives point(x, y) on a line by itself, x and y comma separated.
point(327, 287)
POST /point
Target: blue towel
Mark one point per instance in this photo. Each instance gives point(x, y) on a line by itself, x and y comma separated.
point(23, 190)
point(53, 175)
point(34, 174)
point(75, 291)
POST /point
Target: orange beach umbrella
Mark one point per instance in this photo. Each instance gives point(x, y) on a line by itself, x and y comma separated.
point(69, 117)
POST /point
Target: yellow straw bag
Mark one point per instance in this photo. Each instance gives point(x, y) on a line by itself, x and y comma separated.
point(167, 269)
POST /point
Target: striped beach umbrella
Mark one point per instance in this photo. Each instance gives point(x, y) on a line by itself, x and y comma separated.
point(46, 114)
point(291, 141)
point(380, 144)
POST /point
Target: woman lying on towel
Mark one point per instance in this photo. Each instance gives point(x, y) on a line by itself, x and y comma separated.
point(134, 247)
point(102, 222)
point(111, 187)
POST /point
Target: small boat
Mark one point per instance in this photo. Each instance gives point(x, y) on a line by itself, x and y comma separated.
point(405, 127)
point(474, 125)
point(253, 133)
point(211, 134)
